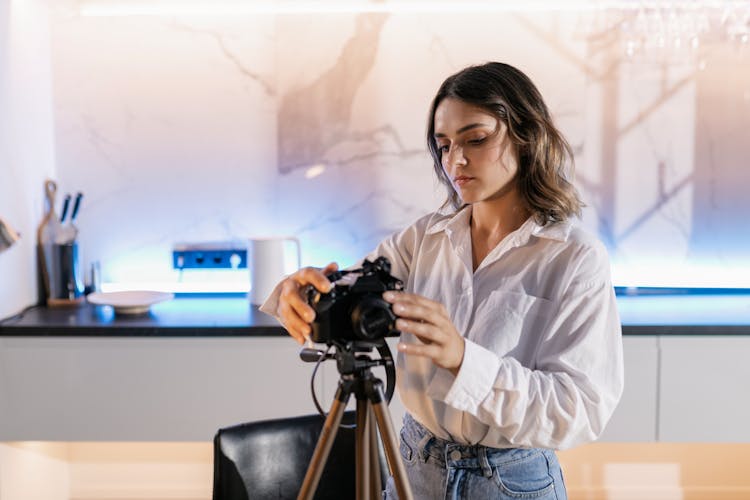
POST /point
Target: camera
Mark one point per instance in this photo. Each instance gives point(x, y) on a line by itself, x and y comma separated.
point(355, 311)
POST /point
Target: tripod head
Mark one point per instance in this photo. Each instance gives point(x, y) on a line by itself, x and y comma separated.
point(353, 360)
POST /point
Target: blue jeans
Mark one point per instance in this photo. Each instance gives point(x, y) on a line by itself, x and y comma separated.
point(439, 469)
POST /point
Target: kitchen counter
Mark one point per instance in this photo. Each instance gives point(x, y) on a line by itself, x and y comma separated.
point(195, 364)
point(188, 316)
point(233, 316)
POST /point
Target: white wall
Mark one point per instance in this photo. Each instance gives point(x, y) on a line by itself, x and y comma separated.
point(26, 142)
point(204, 128)
point(26, 158)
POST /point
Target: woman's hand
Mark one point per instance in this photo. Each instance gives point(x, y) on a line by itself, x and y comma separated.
point(293, 310)
point(429, 321)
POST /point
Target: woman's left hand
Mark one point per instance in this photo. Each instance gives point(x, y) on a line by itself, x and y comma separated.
point(429, 321)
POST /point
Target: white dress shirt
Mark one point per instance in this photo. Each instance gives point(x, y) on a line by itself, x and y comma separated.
point(543, 362)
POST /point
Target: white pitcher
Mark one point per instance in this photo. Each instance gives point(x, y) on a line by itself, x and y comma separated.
point(267, 257)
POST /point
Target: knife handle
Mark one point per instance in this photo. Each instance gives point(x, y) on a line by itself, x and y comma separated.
point(66, 203)
point(76, 205)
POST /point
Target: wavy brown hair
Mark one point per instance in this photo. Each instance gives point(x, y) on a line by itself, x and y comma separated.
point(544, 156)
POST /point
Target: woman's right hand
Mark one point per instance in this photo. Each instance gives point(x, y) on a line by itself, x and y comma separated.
point(293, 310)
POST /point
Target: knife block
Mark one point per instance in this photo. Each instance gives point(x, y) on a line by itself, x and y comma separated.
point(61, 273)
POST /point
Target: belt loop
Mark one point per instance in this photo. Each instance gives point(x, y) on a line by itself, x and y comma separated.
point(422, 446)
point(484, 463)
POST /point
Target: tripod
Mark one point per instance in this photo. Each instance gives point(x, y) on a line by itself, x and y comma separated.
point(356, 377)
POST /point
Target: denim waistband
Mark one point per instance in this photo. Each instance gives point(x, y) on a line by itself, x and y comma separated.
point(425, 445)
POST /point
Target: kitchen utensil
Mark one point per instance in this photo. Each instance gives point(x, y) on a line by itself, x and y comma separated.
point(57, 252)
point(95, 284)
point(66, 204)
point(76, 206)
point(50, 228)
point(268, 257)
point(69, 231)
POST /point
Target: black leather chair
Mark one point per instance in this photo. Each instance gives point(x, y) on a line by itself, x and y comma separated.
point(269, 459)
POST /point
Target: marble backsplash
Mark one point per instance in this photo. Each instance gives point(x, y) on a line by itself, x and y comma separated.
point(228, 127)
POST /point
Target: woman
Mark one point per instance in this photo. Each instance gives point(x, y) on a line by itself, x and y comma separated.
point(511, 344)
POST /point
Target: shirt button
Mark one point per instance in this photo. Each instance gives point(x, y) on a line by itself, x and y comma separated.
point(455, 455)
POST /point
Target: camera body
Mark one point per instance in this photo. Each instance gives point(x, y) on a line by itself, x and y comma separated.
point(356, 312)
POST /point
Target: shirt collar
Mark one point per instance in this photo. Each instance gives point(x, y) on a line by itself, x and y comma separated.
point(558, 231)
point(450, 222)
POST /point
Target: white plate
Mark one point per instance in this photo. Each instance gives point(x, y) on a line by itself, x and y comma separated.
point(131, 302)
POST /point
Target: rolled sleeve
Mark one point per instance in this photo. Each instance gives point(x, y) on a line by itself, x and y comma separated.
point(475, 379)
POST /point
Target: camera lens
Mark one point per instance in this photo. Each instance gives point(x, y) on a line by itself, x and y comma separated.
point(373, 318)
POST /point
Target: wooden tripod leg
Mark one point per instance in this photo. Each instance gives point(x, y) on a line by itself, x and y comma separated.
point(362, 447)
point(376, 483)
point(325, 442)
point(383, 417)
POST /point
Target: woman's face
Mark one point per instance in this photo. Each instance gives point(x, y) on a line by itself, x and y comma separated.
point(476, 153)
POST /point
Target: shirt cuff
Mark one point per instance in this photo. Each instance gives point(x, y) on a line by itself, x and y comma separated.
point(475, 379)
point(271, 304)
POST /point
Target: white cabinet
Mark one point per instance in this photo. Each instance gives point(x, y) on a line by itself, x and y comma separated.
point(635, 416)
point(146, 389)
point(684, 388)
point(154, 389)
point(705, 388)
point(677, 388)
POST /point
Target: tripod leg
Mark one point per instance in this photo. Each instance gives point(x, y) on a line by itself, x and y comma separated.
point(368, 480)
point(390, 442)
point(325, 442)
point(376, 483)
point(362, 447)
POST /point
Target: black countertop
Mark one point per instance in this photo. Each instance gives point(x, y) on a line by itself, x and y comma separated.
point(180, 317)
point(234, 316)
